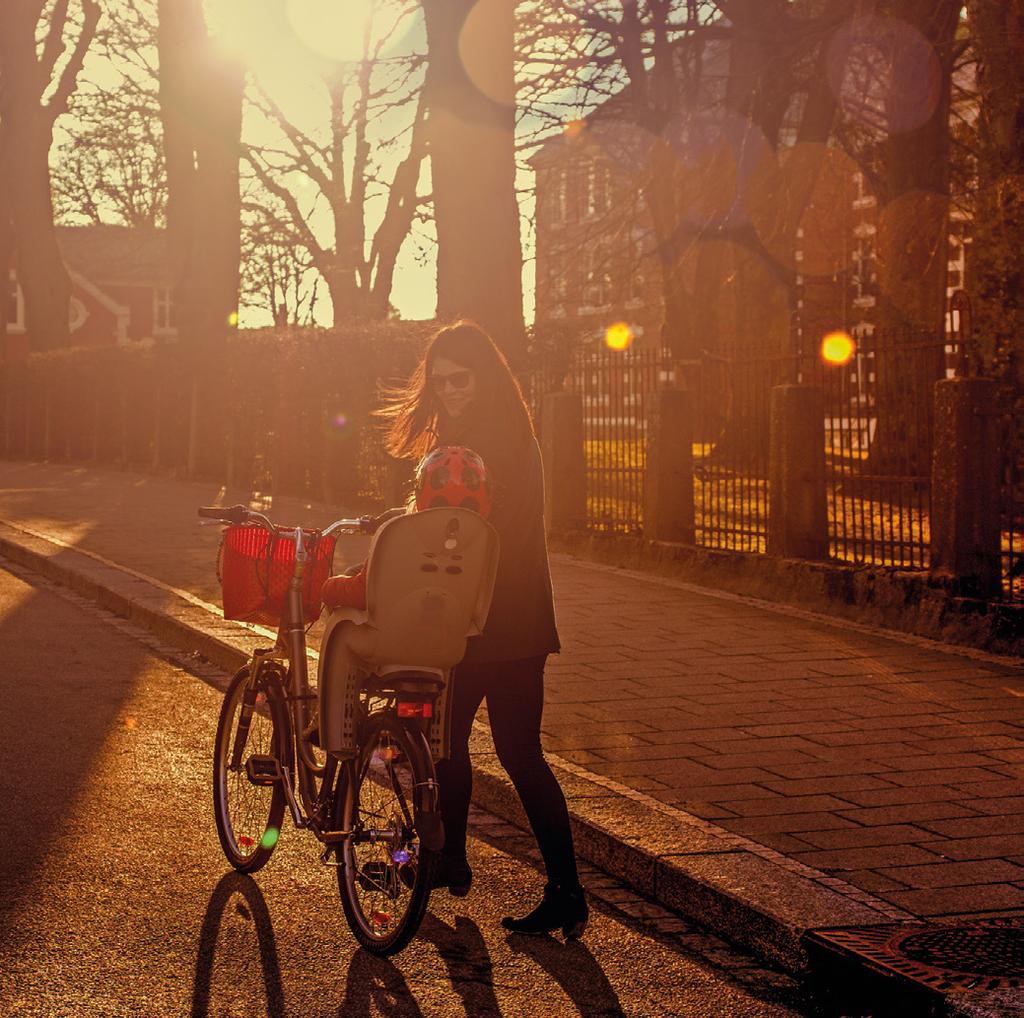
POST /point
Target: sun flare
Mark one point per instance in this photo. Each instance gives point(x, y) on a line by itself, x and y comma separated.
point(332, 28)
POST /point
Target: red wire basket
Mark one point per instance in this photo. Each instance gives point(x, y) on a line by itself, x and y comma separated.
point(256, 567)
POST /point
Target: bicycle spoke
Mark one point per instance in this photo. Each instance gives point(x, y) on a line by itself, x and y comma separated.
point(248, 814)
point(381, 884)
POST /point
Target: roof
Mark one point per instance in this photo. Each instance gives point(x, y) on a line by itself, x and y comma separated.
point(115, 254)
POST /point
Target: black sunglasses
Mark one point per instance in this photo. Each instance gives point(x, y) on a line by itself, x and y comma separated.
point(456, 379)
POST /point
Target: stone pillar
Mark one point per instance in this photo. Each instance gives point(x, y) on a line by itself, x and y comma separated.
point(797, 500)
point(565, 477)
point(668, 476)
point(965, 533)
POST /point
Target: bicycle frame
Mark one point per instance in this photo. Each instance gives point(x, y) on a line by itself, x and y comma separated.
point(308, 785)
point(310, 808)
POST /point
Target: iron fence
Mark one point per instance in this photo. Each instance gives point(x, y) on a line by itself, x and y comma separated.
point(1013, 510)
point(878, 441)
point(878, 446)
point(730, 452)
point(615, 388)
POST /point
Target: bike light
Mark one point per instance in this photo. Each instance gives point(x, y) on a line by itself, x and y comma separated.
point(408, 709)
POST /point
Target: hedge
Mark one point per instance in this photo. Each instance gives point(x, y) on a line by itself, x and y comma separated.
point(282, 412)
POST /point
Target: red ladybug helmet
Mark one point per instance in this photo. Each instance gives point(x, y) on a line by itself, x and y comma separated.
point(452, 475)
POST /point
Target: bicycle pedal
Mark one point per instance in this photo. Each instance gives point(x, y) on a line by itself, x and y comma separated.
point(263, 770)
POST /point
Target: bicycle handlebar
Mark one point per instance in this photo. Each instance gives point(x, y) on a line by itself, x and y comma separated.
point(233, 514)
point(236, 515)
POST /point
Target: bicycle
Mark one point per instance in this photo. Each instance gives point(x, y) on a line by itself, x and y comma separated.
point(358, 769)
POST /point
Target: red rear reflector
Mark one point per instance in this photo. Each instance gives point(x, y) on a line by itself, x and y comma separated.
point(415, 710)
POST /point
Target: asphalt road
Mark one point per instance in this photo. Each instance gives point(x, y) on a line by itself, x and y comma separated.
point(116, 900)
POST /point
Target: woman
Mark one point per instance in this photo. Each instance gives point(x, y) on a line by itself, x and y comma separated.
point(463, 393)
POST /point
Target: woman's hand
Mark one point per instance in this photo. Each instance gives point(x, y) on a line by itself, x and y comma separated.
point(371, 524)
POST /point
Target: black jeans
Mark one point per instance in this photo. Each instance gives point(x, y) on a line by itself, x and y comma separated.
point(515, 700)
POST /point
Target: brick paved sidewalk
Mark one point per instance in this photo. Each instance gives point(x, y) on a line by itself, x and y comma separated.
point(889, 762)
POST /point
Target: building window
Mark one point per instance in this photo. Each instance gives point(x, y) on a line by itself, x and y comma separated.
point(596, 186)
point(15, 306)
point(555, 196)
point(597, 280)
point(163, 310)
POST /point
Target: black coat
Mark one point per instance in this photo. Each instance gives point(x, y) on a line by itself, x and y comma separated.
point(521, 622)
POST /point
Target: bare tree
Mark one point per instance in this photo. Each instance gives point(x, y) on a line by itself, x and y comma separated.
point(471, 98)
point(354, 168)
point(42, 48)
point(109, 164)
point(720, 113)
point(277, 273)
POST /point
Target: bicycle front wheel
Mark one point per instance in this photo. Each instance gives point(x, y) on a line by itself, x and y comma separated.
point(385, 871)
point(251, 734)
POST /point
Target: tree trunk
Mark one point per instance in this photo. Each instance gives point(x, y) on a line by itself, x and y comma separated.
point(995, 270)
point(912, 245)
point(27, 127)
point(201, 110)
point(471, 98)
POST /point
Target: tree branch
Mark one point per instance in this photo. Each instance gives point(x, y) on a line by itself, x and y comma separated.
point(58, 103)
point(54, 44)
point(302, 228)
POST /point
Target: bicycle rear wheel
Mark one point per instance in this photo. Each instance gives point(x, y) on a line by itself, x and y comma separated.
point(385, 871)
point(253, 724)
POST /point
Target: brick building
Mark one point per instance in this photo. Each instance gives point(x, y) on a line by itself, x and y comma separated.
point(595, 263)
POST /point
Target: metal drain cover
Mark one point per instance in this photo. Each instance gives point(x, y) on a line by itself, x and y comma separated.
point(982, 954)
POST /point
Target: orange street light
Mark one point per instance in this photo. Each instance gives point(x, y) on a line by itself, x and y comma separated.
point(618, 336)
point(838, 348)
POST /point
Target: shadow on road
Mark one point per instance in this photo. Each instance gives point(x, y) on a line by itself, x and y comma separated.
point(576, 970)
point(63, 685)
point(374, 986)
point(253, 907)
point(468, 962)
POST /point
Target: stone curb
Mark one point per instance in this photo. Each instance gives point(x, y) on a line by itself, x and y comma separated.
point(751, 895)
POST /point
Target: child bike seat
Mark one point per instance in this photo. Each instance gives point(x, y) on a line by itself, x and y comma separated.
point(429, 580)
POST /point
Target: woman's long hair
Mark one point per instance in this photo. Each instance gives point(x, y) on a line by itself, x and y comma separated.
point(415, 412)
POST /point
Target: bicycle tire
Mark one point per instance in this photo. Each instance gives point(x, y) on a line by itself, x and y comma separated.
point(385, 886)
point(248, 816)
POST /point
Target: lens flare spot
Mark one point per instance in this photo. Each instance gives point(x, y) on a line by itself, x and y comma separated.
point(339, 422)
point(400, 856)
point(130, 722)
point(333, 30)
point(233, 319)
point(245, 841)
point(619, 336)
point(574, 128)
point(381, 919)
point(838, 348)
point(270, 836)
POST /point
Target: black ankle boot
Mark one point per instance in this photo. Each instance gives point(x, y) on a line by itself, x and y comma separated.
point(453, 872)
point(561, 907)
